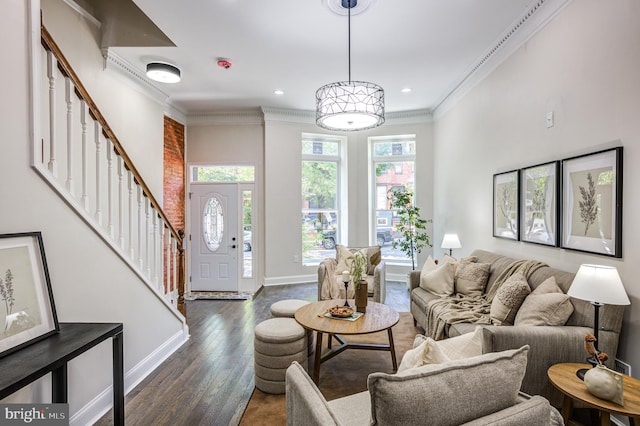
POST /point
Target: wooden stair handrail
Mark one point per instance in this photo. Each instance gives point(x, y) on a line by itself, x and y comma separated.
point(81, 92)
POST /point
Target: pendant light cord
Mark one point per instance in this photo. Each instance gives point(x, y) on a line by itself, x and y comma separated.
point(349, 31)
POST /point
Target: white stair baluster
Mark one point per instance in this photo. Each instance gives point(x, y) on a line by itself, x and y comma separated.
point(98, 141)
point(69, 93)
point(84, 112)
point(110, 154)
point(140, 227)
point(167, 260)
point(147, 225)
point(132, 210)
point(121, 171)
point(51, 74)
point(174, 262)
point(155, 247)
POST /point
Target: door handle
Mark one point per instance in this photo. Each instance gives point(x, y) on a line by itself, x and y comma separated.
point(233, 246)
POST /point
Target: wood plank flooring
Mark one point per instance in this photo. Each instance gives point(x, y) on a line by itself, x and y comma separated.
point(209, 380)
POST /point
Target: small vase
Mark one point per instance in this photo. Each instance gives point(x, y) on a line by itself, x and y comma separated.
point(361, 297)
point(604, 383)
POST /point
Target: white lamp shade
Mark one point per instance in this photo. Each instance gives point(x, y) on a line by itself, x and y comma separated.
point(451, 241)
point(598, 283)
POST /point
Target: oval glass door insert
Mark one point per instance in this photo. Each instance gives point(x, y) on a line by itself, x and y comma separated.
point(212, 224)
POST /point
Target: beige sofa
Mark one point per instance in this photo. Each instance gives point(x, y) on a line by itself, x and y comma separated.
point(549, 344)
point(475, 391)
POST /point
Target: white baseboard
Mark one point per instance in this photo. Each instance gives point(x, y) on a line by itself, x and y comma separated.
point(103, 402)
point(290, 279)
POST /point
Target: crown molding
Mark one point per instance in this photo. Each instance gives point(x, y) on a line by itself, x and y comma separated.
point(538, 14)
point(238, 117)
point(288, 115)
point(415, 116)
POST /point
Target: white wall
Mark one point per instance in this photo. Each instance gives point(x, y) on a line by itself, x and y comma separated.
point(90, 284)
point(583, 66)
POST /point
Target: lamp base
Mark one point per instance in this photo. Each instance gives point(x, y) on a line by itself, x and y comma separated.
point(580, 373)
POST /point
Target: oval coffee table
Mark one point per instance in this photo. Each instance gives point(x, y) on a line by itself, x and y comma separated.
point(378, 317)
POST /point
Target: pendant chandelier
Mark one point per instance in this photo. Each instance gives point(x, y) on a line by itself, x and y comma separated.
point(349, 105)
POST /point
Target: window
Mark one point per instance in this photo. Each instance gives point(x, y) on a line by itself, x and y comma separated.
point(222, 174)
point(320, 198)
point(393, 165)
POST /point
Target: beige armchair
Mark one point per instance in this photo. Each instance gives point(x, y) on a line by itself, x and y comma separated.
point(329, 277)
point(472, 392)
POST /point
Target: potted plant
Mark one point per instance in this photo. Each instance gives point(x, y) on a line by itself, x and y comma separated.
point(357, 264)
point(411, 226)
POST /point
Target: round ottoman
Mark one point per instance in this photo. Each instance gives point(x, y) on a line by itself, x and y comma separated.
point(277, 343)
point(287, 309)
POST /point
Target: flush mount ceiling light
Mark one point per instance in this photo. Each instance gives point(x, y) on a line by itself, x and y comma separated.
point(163, 72)
point(349, 105)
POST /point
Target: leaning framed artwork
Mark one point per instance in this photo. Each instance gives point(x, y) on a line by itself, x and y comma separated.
point(505, 205)
point(592, 203)
point(27, 311)
point(539, 186)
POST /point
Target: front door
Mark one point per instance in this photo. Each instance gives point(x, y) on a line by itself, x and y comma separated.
point(214, 243)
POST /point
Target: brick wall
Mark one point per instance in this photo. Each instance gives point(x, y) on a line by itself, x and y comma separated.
point(173, 197)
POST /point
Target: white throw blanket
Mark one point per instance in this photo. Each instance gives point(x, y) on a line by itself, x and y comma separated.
point(332, 285)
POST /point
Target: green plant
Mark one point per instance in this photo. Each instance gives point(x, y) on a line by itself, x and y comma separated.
point(412, 227)
point(357, 264)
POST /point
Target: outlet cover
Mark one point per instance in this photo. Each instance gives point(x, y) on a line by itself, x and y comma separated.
point(623, 367)
point(549, 119)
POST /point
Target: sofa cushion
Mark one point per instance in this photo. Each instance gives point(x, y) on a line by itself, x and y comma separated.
point(373, 255)
point(429, 265)
point(439, 281)
point(471, 278)
point(546, 305)
point(509, 297)
point(476, 386)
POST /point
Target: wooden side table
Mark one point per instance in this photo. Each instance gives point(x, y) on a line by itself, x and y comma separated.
point(563, 377)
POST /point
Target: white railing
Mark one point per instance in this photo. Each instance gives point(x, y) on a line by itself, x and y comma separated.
point(81, 158)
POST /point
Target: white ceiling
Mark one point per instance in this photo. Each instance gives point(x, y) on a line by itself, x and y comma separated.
point(299, 45)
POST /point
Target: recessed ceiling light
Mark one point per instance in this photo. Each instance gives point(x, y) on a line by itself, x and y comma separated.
point(162, 72)
point(278, 92)
point(406, 90)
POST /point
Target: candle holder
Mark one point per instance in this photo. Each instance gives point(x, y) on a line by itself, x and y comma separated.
point(346, 297)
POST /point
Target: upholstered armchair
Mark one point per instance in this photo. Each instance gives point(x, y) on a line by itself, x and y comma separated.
point(330, 285)
point(475, 391)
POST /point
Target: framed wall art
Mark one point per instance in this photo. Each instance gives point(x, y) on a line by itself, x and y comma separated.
point(505, 205)
point(539, 186)
point(27, 311)
point(592, 203)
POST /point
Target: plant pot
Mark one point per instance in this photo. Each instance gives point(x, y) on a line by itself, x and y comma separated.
point(361, 297)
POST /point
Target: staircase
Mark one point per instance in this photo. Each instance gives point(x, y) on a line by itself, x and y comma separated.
point(82, 160)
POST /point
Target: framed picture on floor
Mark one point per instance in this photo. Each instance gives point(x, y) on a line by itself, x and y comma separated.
point(505, 205)
point(27, 312)
point(592, 203)
point(539, 186)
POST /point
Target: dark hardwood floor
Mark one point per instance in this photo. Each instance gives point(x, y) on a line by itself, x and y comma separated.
point(209, 380)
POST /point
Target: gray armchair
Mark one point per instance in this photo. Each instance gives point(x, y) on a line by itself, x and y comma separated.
point(376, 283)
point(475, 391)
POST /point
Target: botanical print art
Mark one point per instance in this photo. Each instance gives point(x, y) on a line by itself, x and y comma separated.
point(505, 210)
point(19, 299)
point(591, 215)
point(539, 204)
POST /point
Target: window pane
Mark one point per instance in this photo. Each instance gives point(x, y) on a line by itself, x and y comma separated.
point(247, 237)
point(319, 185)
point(223, 174)
point(311, 147)
point(212, 224)
point(391, 148)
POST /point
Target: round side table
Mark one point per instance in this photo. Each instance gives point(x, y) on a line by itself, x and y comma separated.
point(563, 377)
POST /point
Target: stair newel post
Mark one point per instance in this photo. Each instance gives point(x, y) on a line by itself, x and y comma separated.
point(182, 307)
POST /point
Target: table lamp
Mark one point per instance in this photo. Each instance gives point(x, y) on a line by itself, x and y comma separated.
point(600, 285)
point(451, 241)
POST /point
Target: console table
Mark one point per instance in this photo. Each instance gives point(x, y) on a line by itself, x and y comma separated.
point(52, 354)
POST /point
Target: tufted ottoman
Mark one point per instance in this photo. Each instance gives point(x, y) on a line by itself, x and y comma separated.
point(286, 309)
point(277, 343)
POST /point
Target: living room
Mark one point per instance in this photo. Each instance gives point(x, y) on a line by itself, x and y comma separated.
point(581, 65)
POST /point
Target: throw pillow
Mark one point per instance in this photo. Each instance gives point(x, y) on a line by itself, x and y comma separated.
point(439, 281)
point(484, 384)
point(429, 266)
point(343, 253)
point(546, 305)
point(428, 351)
point(471, 278)
point(509, 298)
point(374, 256)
